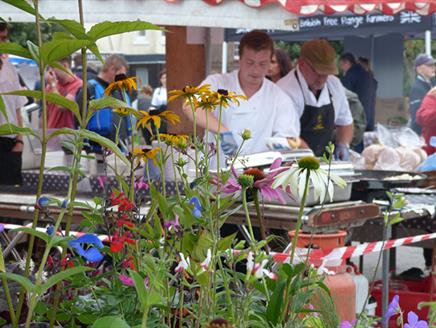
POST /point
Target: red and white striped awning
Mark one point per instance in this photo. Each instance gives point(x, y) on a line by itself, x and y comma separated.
point(360, 7)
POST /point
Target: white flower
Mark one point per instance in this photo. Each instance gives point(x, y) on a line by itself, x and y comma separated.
point(295, 179)
point(205, 264)
point(183, 264)
point(258, 270)
point(323, 270)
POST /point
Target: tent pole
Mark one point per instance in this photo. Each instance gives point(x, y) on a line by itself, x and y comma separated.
point(224, 58)
point(428, 42)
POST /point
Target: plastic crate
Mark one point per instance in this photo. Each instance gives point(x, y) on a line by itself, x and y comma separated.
point(411, 294)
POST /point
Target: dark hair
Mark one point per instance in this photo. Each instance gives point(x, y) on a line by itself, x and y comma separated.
point(4, 26)
point(66, 60)
point(116, 62)
point(348, 57)
point(257, 41)
point(283, 61)
point(162, 72)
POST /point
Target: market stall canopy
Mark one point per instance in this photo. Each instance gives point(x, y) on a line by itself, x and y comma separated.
point(262, 14)
point(336, 27)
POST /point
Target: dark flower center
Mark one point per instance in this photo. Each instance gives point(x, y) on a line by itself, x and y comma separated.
point(223, 92)
point(120, 77)
point(256, 173)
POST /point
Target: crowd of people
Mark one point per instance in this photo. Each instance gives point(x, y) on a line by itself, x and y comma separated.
point(307, 105)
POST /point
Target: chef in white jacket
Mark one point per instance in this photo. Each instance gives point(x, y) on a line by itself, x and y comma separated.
point(267, 112)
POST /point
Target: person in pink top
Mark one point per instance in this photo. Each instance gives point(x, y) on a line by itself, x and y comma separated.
point(66, 85)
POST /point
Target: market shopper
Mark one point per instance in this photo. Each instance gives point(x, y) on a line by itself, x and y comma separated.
point(426, 118)
point(160, 94)
point(267, 112)
point(280, 65)
point(11, 146)
point(425, 72)
point(105, 122)
point(358, 80)
point(67, 85)
point(319, 99)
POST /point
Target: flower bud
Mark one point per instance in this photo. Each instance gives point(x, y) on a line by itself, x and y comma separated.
point(309, 162)
point(246, 134)
point(246, 181)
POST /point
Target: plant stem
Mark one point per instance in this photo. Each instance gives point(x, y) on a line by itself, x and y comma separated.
point(9, 301)
point(145, 317)
point(247, 217)
point(41, 66)
point(194, 119)
point(300, 215)
point(260, 218)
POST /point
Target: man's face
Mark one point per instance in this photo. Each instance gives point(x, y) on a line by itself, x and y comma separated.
point(253, 66)
point(428, 71)
point(4, 37)
point(344, 66)
point(314, 80)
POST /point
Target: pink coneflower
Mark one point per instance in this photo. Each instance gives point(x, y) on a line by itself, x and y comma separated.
point(262, 181)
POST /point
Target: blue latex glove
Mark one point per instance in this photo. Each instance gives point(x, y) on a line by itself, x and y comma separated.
point(342, 152)
point(228, 143)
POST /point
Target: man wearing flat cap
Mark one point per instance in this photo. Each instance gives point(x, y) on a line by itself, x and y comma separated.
point(319, 98)
point(425, 72)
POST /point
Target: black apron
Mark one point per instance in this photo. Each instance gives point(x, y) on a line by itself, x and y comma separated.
point(317, 124)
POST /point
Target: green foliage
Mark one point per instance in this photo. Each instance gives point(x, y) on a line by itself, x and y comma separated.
point(110, 322)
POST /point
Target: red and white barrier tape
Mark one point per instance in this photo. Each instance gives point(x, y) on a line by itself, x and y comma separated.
point(336, 256)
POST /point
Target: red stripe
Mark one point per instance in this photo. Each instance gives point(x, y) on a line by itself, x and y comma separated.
point(348, 252)
point(389, 244)
point(369, 248)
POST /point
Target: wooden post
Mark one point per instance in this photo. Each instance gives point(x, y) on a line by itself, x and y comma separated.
point(185, 64)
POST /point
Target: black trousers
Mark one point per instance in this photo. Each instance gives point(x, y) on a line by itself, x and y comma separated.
point(10, 163)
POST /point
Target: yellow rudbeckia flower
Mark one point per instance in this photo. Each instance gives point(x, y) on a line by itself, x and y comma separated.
point(188, 92)
point(180, 141)
point(128, 84)
point(208, 101)
point(121, 111)
point(146, 117)
point(147, 154)
point(227, 97)
point(170, 116)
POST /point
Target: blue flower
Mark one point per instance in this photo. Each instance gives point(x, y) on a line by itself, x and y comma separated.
point(393, 307)
point(64, 204)
point(414, 322)
point(91, 254)
point(2, 227)
point(50, 230)
point(196, 211)
point(43, 201)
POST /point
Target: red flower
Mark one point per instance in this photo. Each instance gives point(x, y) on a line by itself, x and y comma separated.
point(117, 243)
point(66, 262)
point(122, 201)
point(128, 263)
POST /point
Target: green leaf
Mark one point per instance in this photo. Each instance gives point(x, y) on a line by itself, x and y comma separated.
point(140, 287)
point(226, 242)
point(61, 67)
point(51, 97)
point(274, 308)
point(106, 28)
point(62, 131)
point(72, 26)
point(62, 275)
point(87, 318)
point(8, 128)
point(62, 36)
point(110, 322)
point(34, 51)
point(23, 281)
point(34, 232)
point(14, 49)
point(3, 109)
point(107, 101)
point(105, 142)
point(41, 308)
point(93, 47)
point(23, 5)
point(55, 50)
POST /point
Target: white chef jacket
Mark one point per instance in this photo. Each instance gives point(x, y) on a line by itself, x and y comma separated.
point(267, 113)
point(290, 86)
point(159, 97)
point(9, 82)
